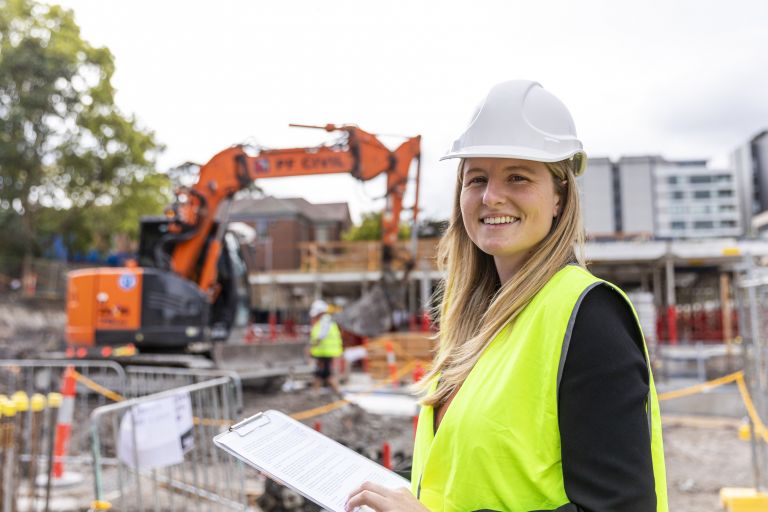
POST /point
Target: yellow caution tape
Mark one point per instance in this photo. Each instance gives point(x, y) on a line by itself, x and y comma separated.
point(701, 388)
point(93, 386)
point(737, 377)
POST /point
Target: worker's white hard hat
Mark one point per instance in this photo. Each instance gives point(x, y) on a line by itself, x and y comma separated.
point(318, 307)
point(519, 119)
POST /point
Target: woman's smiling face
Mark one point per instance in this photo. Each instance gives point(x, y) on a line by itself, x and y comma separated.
point(507, 206)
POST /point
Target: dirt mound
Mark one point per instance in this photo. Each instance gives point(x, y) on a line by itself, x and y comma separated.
point(29, 327)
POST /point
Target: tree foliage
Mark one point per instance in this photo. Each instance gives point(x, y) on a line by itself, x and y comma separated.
point(70, 160)
point(369, 228)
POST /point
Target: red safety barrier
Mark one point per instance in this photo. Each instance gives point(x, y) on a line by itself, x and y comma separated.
point(672, 325)
point(64, 421)
point(272, 326)
point(426, 324)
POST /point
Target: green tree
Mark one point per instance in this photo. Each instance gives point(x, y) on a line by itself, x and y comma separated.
point(64, 145)
point(370, 229)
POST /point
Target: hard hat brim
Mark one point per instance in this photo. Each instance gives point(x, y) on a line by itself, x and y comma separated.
point(518, 152)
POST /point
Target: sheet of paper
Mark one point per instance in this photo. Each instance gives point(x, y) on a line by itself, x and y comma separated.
point(307, 461)
point(156, 434)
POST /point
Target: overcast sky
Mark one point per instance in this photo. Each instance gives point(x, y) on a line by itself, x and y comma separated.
point(683, 79)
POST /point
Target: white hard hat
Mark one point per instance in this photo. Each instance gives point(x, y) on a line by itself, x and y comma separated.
point(318, 307)
point(519, 119)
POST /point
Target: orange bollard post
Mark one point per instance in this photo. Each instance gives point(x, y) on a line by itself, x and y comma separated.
point(386, 456)
point(317, 426)
point(391, 363)
point(64, 429)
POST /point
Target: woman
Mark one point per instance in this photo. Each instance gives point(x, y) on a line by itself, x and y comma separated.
point(540, 397)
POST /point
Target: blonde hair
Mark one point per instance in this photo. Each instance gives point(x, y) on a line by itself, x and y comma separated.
point(475, 305)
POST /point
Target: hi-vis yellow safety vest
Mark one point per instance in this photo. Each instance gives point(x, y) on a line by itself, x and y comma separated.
point(331, 344)
point(498, 445)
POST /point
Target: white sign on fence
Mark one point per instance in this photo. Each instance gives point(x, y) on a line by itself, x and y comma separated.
point(157, 433)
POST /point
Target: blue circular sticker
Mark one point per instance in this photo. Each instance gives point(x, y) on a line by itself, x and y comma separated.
point(126, 281)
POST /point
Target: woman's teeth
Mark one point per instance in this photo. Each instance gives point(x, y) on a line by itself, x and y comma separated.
point(499, 220)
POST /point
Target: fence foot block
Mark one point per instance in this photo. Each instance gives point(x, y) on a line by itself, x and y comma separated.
point(743, 499)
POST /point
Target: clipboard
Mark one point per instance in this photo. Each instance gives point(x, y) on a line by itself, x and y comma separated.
point(304, 460)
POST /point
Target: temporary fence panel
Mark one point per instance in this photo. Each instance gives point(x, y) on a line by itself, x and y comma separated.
point(43, 376)
point(156, 452)
point(147, 380)
point(46, 441)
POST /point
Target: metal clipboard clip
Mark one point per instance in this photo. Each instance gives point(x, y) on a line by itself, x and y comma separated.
point(248, 425)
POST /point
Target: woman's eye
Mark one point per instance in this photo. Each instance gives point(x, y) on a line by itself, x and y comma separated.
point(517, 178)
point(476, 179)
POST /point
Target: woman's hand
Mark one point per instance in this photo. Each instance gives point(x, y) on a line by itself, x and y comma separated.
point(383, 499)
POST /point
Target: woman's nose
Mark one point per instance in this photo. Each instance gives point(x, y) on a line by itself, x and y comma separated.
point(493, 194)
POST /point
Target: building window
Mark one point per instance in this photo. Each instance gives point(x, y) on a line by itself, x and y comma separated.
point(672, 180)
point(700, 179)
point(723, 178)
point(725, 193)
point(678, 194)
point(727, 208)
point(322, 233)
point(703, 224)
point(677, 224)
point(701, 194)
point(728, 224)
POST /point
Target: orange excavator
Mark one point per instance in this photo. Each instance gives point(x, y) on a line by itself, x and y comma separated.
point(188, 289)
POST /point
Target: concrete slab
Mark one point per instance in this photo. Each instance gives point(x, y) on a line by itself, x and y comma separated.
point(391, 404)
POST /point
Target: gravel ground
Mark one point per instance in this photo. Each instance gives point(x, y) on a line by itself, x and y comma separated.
point(701, 459)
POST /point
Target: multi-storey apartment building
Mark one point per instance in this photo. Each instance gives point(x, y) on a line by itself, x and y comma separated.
point(750, 163)
point(650, 196)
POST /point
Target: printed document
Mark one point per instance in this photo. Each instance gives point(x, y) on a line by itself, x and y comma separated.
point(303, 459)
point(157, 433)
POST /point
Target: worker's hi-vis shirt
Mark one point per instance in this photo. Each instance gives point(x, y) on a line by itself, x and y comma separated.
point(498, 444)
point(326, 338)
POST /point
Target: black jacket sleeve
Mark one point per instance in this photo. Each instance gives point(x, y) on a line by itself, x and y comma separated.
point(606, 445)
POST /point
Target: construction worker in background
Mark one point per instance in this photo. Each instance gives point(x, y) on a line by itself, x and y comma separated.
point(325, 345)
point(542, 389)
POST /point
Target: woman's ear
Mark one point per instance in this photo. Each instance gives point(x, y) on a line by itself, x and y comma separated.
point(559, 198)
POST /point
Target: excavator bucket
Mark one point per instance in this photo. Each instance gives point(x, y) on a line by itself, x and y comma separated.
point(369, 316)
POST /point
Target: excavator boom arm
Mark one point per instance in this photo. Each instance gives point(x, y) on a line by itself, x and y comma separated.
point(359, 153)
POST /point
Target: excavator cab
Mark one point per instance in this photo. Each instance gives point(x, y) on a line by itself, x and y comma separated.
point(154, 308)
point(229, 312)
